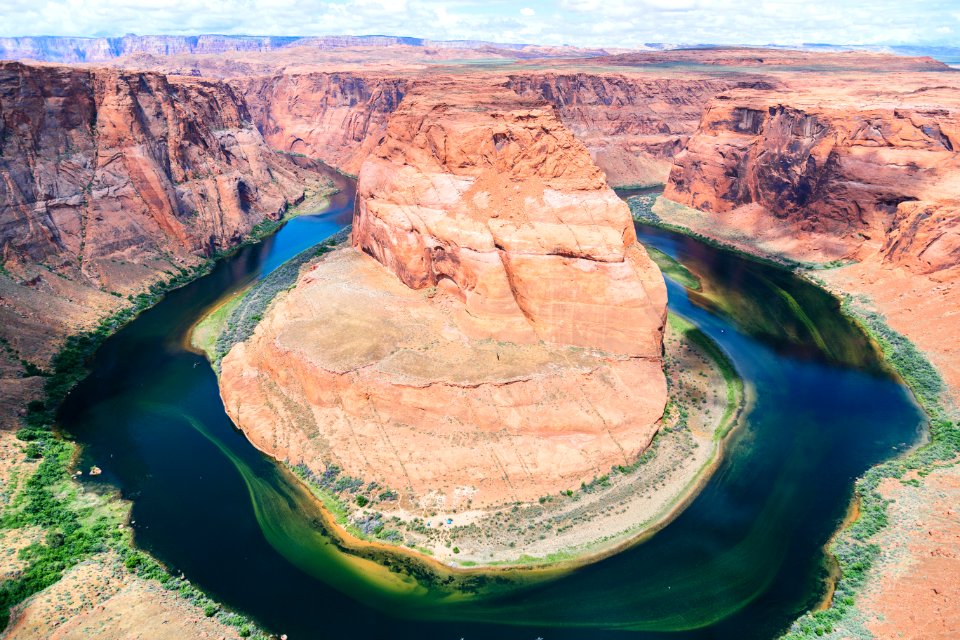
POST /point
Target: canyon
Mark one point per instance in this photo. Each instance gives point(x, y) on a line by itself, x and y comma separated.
point(112, 182)
point(867, 185)
point(484, 221)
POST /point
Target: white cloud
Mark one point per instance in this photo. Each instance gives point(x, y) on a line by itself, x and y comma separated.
point(612, 23)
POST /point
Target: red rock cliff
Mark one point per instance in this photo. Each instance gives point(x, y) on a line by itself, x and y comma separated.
point(112, 180)
point(854, 177)
point(336, 117)
point(632, 125)
point(490, 197)
point(502, 342)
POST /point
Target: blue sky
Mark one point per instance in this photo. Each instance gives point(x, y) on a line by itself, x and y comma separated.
point(608, 23)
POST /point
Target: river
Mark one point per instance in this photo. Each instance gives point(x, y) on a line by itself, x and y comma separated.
point(742, 561)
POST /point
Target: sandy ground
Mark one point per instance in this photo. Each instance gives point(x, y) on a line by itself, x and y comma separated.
point(917, 592)
point(100, 599)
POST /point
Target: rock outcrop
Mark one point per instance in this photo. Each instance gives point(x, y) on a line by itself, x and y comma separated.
point(632, 125)
point(495, 334)
point(503, 209)
point(862, 170)
point(111, 181)
point(846, 179)
point(336, 117)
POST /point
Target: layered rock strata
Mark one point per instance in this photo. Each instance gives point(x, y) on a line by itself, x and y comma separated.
point(111, 181)
point(632, 125)
point(494, 335)
point(336, 117)
point(843, 180)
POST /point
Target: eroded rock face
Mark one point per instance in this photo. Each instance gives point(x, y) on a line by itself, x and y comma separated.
point(632, 125)
point(845, 175)
point(111, 181)
point(495, 334)
point(336, 117)
point(503, 208)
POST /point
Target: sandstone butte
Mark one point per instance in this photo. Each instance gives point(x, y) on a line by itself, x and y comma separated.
point(493, 335)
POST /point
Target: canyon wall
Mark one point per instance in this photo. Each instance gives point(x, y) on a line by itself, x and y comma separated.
point(853, 179)
point(632, 125)
point(111, 181)
point(493, 335)
point(859, 172)
point(335, 117)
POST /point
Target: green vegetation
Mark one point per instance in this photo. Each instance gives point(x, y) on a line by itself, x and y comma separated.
point(244, 316)
point(734, 383)
point(673, 269)
point(47, 501)
point(204, 334)
point(853, 548)
point(76, 529)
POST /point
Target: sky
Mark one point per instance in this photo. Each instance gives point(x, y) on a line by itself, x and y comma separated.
point(590, 23)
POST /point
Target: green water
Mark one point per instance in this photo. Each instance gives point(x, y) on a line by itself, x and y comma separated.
point(741, 561)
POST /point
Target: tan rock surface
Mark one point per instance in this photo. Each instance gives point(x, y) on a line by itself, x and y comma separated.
point(489, 197)
point(355, 369)
point(509, 344)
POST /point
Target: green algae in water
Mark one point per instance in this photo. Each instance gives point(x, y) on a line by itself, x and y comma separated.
point(742, 561)
point(673, 269)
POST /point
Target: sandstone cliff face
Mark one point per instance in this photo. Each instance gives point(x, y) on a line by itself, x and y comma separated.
point(504, 209)
point(632, 125)
point(110, 181)
point(850, 175)
point(336, 117)
point(864, 168)
point(494, 336)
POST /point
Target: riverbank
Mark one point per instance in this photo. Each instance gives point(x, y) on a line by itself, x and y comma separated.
point(59, 528)
point(571, 526)
point(879, 556)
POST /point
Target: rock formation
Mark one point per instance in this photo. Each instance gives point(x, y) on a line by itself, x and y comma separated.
point(861, 169)
point(846, 179)
point(508, 343)
point(336, 117)
point(110, 181)
point(505, 211)
point(634, 124)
